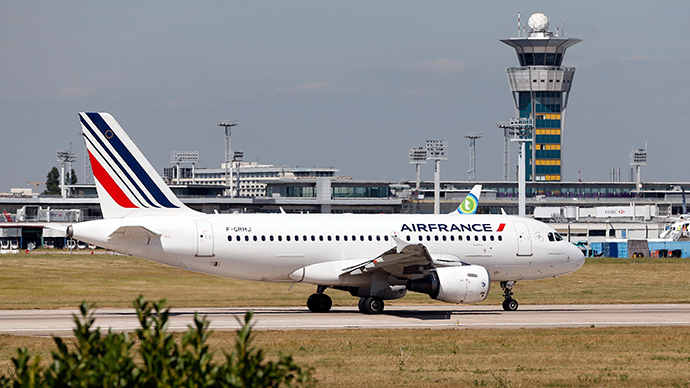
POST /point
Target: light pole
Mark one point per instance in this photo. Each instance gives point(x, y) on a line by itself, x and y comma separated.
point(638, 158)
point(436, 151)
point(417, 157)
point(473, 139)
point(228, 154)
point(65, 157)
point(520, 130)
point(179, 157)
point(237, 157)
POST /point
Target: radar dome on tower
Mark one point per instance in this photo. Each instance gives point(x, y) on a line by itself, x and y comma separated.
point(538, 22)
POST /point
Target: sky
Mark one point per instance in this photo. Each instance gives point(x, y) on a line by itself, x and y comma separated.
point(352, 85)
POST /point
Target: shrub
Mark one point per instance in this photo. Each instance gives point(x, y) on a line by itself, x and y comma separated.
point(110, 360)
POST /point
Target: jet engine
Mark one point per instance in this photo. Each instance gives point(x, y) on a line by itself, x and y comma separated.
point(462, 284)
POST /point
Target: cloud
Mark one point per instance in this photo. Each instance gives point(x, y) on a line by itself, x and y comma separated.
point(312, 87)
point(636, 58)
point(442, 65)
point(75, 91)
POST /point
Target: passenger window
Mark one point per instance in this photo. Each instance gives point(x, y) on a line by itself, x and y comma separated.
point(428, 238)
point(313, 238)
point(369, 237)
point(337, 238)
point(287, 238)
point(386, 238)
point(452, 238)
point(459, 238)
point(467, 237)
point(361, 238)
point(320, 238)
point(444, 237)
point(328, 237)
point(378, 238)
point(263, 238)
point(280, 238)
point(476, 238)
point(500, 238)
point(492, 237)
point(483, 238)
point(270, 237)
point(296, 238)
point(230, 238)
point(436, 238)
point(255, 238)
point(238, 238)
point(420, 237)
point(408, 238)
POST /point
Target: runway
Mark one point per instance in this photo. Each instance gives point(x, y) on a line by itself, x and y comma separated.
point(60, 322)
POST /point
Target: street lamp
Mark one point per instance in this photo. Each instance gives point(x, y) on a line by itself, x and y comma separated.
point(436, 151)
point(417, 157)
point(519, 129)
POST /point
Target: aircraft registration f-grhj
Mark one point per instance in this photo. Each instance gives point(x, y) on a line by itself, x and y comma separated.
point(451, 257)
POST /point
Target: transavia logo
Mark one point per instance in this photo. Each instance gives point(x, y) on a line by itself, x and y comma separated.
point(469, 205)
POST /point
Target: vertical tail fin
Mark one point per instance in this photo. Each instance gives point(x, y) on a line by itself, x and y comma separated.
point(126, 182)
point(471, 202)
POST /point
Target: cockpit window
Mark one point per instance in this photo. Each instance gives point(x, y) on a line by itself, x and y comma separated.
point(551, 236)
point(558, 236)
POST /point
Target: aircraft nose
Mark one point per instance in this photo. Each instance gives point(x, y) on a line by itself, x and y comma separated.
point(576, 256)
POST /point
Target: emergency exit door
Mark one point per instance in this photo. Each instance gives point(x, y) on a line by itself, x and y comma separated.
point(524, 239)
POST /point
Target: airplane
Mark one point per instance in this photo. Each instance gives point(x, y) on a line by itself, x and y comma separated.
point(374, 257)
point(470, 203)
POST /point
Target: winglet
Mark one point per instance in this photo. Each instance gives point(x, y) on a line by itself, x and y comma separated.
point(471, 202)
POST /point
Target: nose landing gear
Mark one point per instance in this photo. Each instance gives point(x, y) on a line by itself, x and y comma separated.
point(509, 304)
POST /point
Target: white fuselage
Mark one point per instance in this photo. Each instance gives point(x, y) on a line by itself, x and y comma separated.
point(271, 247)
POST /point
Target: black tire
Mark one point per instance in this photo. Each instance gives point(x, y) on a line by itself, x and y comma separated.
point(510, 305)
point(312, 303)
point(319, 303)
point(360, 305)
point(373, 305)
point(324, 303)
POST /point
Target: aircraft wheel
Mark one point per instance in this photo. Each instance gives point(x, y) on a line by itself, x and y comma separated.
point(510, 305)
point(319, 303)
point(360, 305)
point(373, 305)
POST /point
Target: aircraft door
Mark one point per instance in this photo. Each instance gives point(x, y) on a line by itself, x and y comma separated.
point(204, 241)
point(524, 239)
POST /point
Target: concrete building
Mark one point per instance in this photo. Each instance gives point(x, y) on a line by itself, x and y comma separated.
point(541, 88)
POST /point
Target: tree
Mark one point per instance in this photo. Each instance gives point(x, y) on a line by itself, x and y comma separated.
point(53, 182)
point(71, 178)
point(108, 360)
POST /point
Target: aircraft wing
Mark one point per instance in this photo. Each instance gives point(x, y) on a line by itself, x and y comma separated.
point(398, 257)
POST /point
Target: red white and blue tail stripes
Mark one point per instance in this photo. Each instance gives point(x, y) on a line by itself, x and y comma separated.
point(126, 181)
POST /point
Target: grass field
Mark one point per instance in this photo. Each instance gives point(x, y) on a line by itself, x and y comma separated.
point(591, 357)
point(41, 280)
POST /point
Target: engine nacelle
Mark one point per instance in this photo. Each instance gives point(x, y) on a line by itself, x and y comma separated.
point(461, 284)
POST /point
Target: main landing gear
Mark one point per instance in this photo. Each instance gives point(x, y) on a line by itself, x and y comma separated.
point(319, 302)
point(509, 304)
point(371, 305)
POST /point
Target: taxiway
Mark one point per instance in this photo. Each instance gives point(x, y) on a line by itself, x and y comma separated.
point(60, 322)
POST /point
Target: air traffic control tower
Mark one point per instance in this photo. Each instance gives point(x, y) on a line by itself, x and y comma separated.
point(540, 88)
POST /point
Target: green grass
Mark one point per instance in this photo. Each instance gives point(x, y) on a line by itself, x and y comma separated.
point(59, 280)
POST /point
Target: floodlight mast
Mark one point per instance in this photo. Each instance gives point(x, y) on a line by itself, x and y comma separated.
point(179, 157)
point(227, 124)
point(65, 157)
point(520, 130)
point(473, 138)
point(417, 157)
point(638, 158)
point(436, 151)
